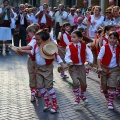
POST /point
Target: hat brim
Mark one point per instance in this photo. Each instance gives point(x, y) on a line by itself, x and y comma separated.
point(43, 54)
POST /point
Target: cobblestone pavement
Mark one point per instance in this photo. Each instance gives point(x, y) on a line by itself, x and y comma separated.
point(15, 96)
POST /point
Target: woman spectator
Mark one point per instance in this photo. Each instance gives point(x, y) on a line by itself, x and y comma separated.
point(6, 13)
point(108, 19)
point(95, 21)
point(78, 11)
point(116, 16)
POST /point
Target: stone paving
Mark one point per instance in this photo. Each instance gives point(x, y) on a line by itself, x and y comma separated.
point(15, 96)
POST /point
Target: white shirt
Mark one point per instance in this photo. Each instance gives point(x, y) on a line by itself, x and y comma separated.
point(34, 19)
point(32, 43)
point(12, 25)
point(61, 17)
point(89, 55)
point(43, 19)
point(104, 41)
point(81, 26)
point(93, 28)
point(98, 22)
point(21, 19)
point(71, 19)
point(6, 17)
point(113, 60)
point(65, 38)
point(39, 59)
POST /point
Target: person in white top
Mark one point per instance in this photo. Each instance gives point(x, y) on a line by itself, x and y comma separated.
point(112, 3)
point(108, 66)
point(13, 20)
point(21, 20)
point(44, 74)
point(116, 18)
point(34, 19)
point(95, 21)
point(44, 16)
point(6, 13)
point(77, 53)
point(31, 29)
point(80, 24)
point(60, 18)
point(65, 39)
point(71, 18)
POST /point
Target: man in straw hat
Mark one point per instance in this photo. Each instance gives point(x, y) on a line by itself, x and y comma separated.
point(44, 53)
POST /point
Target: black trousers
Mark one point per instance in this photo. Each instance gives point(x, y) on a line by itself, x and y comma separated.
point(21, 36)
point(57, 30)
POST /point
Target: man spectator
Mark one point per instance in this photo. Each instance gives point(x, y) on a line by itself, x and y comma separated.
point(112, 3)
point(22, 22)
point(85, 4)
point(44, 17)
point(12, 25)
point(60, 17)
point(71, 18)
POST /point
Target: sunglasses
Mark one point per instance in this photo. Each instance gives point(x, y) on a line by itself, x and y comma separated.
point(108, 12)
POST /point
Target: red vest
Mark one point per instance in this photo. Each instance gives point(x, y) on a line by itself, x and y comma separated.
point(108, 55)
point(48, 61)
point(62, 43)
point(48, 20)
point(74, 53)
point(29, 39)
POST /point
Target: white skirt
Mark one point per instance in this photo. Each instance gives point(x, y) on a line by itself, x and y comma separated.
point(5, 33)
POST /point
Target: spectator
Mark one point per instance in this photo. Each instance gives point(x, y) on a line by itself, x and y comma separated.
point(26, 5)
point(108, 19)
point(60, 18)
point(85, 6)
point(71, 18)
point(112, 3)
point(68, 10)
point(80, 23)
point(12, 25)
point(6, 13)
point(78, 11)
point(95, 21)
point(45, 17)
point(116, 16)
point(22, 22)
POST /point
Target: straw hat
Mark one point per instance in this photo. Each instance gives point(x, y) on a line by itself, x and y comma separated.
point(15, 49)
point(48, 49)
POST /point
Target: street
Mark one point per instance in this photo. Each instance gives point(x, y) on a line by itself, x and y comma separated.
point(15, 96)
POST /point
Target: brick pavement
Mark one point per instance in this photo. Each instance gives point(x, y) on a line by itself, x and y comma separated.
point(15, 96)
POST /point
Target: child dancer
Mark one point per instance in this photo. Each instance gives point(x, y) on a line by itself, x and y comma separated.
point(44, 53)
point(108, 59)
point(76, 54)
point(31, 29)
point(65, 39)
point(104, 38)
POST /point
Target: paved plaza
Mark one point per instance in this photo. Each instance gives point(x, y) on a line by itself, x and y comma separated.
point(15, 96)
